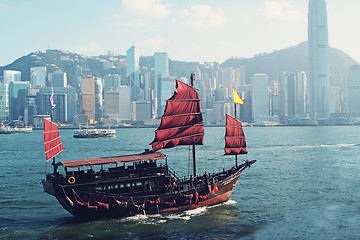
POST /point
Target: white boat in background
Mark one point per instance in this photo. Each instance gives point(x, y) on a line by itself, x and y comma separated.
point(13, 130)
point(94, 133)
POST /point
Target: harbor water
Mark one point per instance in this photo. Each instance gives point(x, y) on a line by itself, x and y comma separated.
point(304, 185)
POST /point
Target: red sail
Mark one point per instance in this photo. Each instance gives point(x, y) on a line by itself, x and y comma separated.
point(182, 122)
point(235, 142)
point(52, 142)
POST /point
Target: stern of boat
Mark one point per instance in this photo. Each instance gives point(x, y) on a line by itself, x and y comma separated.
point(48, 187)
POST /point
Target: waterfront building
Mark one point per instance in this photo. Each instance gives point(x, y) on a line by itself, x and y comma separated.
point(260, 97)
point(4, 102)
point(117, 103)
point(98, 98)
point(319, 79)
point(141, 110)
point(293, 98)
point(353, 89)
point(65, 110)
point(16, 104)
point(88, 98)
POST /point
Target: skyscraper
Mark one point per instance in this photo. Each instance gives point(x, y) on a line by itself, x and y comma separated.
point(319, 80)
point(354, 89)
point(11, 76)
point(161, 71)
point(132, 72)
point(38, 76)
point(260, 97)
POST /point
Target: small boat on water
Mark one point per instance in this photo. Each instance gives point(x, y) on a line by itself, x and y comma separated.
point(14, 130)
point(122, 186)
point(94, 133)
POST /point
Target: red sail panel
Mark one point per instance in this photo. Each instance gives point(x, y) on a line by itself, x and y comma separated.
point(235, 142)
point(182, 122)
point(52, 142)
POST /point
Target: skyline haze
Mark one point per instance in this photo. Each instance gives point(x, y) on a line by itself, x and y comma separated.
point(187, 30)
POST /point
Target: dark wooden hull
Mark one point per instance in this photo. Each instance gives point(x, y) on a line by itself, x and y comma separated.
point(86, 204)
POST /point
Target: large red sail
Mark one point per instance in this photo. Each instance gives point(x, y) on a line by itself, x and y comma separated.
point(52, 142)
point(235, 142)
point(182, 122)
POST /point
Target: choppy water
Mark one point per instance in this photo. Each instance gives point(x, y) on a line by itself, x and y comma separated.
point(305, 185)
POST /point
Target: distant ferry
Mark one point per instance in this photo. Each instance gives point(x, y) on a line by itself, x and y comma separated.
point(13, 130)
point(94, 133)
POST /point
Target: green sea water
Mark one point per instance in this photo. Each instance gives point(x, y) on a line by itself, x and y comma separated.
point(305, 185)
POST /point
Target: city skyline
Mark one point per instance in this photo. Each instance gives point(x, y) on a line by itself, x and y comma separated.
point(187, 31)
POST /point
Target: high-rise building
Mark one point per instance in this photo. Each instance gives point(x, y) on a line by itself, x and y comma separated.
point(141, 110)
point(353, 89)
point(4, 102)
point(319, 79)
point(16, 106)
point(117, 103)
point(65, 110)
point(161, 71)
point(293, 98)
point(88, 98)
point(98, 98)
point(302, 96)
point(78, 75)
point(38, 76)
point(11, 76)
point(58, 79)
point(260, 97)
point(132, 72)
point(111, 82)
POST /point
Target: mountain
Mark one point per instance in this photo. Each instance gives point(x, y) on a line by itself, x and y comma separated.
point(65, 61)
point(292, 59)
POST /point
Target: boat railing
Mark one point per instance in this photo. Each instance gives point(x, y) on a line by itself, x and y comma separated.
point(173, 172)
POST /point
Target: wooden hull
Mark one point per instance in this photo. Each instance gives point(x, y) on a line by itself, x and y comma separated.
point(89, 205)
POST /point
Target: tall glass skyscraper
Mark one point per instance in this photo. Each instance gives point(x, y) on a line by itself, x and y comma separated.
point(132, 72)
point(319, 80)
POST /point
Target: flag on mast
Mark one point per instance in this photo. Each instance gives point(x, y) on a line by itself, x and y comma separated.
point(237, 98)
point(52, 98)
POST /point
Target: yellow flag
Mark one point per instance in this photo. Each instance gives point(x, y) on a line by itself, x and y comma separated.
point(237, 98)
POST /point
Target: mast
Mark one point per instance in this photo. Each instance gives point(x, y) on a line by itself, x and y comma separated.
point(236, 160)
point(52, 142)
point(192, 79)
point(181, 123)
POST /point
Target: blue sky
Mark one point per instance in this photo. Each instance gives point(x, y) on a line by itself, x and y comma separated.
point(189, 30)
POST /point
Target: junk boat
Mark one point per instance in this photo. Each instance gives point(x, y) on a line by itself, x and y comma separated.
point(94, 133)
point(144, 183)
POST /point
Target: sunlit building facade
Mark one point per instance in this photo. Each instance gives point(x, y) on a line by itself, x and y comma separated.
point(319, 79)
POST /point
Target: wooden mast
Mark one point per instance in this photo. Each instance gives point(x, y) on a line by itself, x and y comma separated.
point(192, 79)
point(236, 160)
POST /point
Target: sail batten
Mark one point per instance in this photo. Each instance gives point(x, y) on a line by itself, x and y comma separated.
point(182, 122)
point(52, 142)
point(235, 141)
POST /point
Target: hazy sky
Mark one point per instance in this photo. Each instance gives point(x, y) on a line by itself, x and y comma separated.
point(189, 30)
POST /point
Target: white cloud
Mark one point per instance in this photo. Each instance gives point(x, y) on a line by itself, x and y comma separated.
point(203, 16)
point(90, 48)
point(282, 10)
point(153, 8)
point(3, 7)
